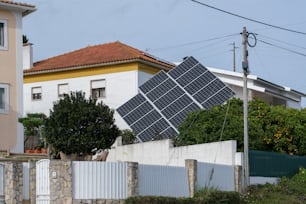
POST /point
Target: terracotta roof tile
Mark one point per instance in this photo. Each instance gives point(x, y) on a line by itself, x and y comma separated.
point(115, 52)
point(17, 3)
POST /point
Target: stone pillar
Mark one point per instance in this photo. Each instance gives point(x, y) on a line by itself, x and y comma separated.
point(192, 166)
point(13, 183)
point(133, 179)
point(60, 182)
point(238, 178)
point(32, 189)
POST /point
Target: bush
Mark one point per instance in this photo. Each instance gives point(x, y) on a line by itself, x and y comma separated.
point(78, 125)
point(158, 200)
point(204, 196)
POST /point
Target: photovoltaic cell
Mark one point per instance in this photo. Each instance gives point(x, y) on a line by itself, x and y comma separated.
point(183, 67)
point(166, 99)
point(153, 82)
point(162, 89)
point(131, 104)
point(191, 75)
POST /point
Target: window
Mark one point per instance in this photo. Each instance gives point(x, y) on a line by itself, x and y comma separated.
point(36, 93)
point(4, 98)
point(98, 88)
point(3, 34)
point(62, 89)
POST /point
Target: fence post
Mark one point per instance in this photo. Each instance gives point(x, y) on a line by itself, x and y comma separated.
point(13, 183)
point(238, 178)
point(132, 179)
point(60, 181)
point(191, 166)
point(32, 189)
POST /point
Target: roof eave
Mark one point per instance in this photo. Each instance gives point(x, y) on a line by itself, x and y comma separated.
point(96, 65)
point(25, 10)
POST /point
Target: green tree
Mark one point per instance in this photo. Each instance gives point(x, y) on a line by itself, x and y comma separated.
point(78, 125)
point(33, 124)
point(272, 128)
point(128, 137)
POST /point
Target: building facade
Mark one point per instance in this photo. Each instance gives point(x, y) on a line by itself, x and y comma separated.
point(110, 72)
point(11, 77)
point(259, 88)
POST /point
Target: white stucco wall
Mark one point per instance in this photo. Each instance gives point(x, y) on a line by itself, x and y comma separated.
point(162, 152)
point(120, 87)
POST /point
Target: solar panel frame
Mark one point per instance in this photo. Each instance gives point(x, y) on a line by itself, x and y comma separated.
point(165, 100)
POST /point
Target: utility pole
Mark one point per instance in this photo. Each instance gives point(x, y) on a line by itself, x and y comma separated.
point(245, 67)
point(234, 56)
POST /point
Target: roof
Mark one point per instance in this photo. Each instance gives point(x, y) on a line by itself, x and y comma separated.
point(24, 7)
point(98, 55)
point(259, 84)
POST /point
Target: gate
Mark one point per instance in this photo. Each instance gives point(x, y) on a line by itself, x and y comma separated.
point(2, 172)
point(42, 182)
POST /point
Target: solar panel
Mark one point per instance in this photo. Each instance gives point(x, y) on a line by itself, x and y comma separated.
point(166, 99)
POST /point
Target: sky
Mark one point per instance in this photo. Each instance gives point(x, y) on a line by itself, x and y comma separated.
point(174, 29)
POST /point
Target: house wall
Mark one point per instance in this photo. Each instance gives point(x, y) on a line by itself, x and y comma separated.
point(259, 88)
point(121, 84)
point(162, 152)
point(11, 135)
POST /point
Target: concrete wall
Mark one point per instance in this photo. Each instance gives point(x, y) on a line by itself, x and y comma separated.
point(162, 152)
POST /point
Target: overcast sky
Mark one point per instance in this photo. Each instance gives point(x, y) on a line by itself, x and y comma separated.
point(173, 29)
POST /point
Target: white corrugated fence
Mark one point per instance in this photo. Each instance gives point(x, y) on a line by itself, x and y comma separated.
point(2, 172)
point(216, 176)
point(163, 181)
point(99, 180)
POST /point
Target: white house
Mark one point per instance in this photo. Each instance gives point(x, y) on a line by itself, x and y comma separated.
point(269, 92)
point(111, 72)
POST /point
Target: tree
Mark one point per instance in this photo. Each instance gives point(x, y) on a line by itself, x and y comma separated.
point(32, 125)
point(78, 125)
point(128, 137)
point(272, 128)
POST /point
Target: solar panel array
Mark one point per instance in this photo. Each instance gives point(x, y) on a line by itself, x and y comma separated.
point(165, 100)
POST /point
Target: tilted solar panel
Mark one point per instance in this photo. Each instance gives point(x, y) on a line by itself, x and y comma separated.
point(166, 99)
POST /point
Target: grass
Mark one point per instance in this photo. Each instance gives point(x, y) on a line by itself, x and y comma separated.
point(287, 191)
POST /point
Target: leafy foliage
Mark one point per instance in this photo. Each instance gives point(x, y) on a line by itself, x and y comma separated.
point(32, 124)
point(78, 125)
point(273, 128)
point(288, 190)
point(128, 137)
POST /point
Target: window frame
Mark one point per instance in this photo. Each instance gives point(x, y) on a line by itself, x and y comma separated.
point(6, 100)
point(58, 90)
point(98, 88)
point(39, 94)
point(5, 35)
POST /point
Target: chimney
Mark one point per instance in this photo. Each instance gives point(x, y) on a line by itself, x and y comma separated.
point(27, 56)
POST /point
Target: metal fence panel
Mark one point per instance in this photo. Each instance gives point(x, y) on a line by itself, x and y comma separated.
point(42, 182)
point(272, 164)
point(217, 176)
point(163, 181)
point(99, 180)
point(26, 180)
point(2, 176)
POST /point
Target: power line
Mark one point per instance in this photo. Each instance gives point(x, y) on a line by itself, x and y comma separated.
point(249, 19)
point(283, 48)
point(281, 41)
point(193, 42)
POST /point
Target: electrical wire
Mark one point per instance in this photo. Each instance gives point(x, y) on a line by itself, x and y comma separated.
point(281, 41)
point(192, 43)
point(283, 48)
point(249, 19)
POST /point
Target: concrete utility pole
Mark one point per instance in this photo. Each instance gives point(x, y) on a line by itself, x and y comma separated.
point(234, 56)
point(245, 67)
